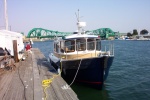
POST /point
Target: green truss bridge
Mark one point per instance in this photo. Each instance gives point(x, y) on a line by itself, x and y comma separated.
point(44, 33)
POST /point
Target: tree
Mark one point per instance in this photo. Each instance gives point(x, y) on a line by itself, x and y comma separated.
point(143, 32)
point(129, 34)
point(135, 32)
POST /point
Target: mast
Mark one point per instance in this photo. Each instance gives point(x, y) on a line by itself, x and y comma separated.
point(80, 24)
point(77, 15)
point(6, 16)
point(78, 21)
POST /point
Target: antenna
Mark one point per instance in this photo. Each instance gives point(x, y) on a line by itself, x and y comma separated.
point(80, 25)
point(77, 16)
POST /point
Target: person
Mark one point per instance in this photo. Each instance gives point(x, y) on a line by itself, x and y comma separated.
point(31, 42)
point(28, 47)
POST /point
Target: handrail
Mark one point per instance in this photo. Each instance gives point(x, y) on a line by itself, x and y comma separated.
point(105, 50)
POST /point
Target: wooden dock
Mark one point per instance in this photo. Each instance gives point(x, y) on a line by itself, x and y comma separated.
point(25, 82)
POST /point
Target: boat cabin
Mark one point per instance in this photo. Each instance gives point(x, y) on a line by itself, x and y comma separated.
point(77, 43)
point(7, 38)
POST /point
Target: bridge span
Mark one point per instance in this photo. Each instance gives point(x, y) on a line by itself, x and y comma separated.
point(45, 33)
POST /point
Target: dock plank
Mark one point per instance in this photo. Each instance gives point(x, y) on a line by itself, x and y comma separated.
point(25, 83)
point(37, 80)
point(28, 79)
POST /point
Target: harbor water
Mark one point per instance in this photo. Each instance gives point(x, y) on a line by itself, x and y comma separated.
point(129, 76)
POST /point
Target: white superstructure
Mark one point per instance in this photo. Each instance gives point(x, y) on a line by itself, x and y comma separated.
point(6, 41)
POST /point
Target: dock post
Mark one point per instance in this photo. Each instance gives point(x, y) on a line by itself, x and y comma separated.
point(15, 50)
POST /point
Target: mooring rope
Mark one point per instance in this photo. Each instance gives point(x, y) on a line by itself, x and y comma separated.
point(76, 73)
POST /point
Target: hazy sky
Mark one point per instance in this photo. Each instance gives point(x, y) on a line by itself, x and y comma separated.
point(59, 15)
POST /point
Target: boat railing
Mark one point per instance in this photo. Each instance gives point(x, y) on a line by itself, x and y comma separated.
point(107, 49)
point(77, 52)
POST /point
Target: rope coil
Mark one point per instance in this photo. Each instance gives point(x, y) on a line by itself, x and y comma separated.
point(46, 83)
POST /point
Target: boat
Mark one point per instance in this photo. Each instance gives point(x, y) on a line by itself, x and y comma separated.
point(7, 37)
point(143, 37)
point(80, 57)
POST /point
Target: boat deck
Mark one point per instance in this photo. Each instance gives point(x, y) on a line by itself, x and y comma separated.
point(25, 82)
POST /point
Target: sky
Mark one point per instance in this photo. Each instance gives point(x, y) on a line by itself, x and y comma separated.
point(59, 15)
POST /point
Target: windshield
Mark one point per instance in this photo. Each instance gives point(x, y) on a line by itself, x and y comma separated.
point(69, 46)
point(81, 44)
point(90, 44)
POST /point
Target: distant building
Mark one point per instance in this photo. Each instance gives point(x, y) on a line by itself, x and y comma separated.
point(120, 35)
point(143, 37)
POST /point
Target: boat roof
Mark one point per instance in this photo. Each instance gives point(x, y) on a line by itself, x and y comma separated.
point(12, 33)
point(79, 36)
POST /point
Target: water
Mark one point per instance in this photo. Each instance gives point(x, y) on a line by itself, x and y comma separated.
point(129, 76)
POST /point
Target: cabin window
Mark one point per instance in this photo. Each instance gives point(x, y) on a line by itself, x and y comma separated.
point(98, 44)
point(90, 44)
point(57, 47)
point(69, 46)
point(81, 44)
point(54, 47)
point(62, 46)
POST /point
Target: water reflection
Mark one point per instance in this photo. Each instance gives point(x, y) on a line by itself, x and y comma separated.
point(89, 93)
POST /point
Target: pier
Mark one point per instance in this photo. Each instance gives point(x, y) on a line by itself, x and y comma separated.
point(34, 79)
